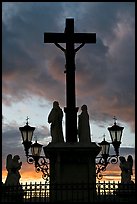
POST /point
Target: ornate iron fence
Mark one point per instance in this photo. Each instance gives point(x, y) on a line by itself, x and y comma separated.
point(39, 192)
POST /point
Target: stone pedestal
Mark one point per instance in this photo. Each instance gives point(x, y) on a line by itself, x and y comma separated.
point(72, 171)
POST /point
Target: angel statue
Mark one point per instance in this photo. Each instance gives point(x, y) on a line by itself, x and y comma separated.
point(13, 166)
point(126, 169)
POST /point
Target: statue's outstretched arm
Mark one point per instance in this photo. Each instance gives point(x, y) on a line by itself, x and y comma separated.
point(82, 44)
point(59, 46)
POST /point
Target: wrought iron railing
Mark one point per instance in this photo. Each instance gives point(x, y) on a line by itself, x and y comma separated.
point(43, 192)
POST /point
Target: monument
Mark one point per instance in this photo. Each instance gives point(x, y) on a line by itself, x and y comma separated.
point(12, 189)
point(127, 187)
point(71, 162)
point(13, 166)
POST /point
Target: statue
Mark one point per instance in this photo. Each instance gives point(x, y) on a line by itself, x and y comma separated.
point(83, 126)
point(126, 168)
point(13, 166)
point(130, 165)
point(55, 118)
point(127, 187)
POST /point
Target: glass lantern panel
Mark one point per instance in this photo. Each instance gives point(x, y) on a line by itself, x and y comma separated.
point(36, 151)
point(24, 136)
point(30, 134)
point(105, 149)
point(27, 135)
point(116, 135)
point(113, 135)
point(119, 134)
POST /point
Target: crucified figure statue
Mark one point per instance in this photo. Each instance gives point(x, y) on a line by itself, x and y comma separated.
point(64, 50)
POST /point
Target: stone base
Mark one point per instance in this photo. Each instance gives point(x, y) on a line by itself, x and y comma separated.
point(72, 164)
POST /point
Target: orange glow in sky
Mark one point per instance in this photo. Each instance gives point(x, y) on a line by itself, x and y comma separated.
point(28, 174)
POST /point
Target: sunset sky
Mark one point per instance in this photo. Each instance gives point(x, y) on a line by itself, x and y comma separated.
point(33, 72)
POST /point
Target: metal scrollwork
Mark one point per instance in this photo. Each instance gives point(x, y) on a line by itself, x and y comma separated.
point(30, 159)
point(99, 168)
point(113, 159)
point(101, 164)
point(41, 165)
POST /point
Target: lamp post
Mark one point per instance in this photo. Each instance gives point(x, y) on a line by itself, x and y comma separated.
point(42, 164)
point(116, 135)
point(27, 134)
point(102, 161)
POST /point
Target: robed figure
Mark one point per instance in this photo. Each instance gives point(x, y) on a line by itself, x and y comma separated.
point(84, 126)
point(55, 119)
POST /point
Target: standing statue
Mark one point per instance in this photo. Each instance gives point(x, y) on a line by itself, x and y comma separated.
point(55, 118)
point(83, 126)
point(130, 165)
point(13, 166)
point(126, 169)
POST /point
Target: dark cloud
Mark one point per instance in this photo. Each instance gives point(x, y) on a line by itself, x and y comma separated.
point(11, 144)
point(104, 71)
point(110, 81)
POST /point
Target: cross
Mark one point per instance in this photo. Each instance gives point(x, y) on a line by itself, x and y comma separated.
point(27, 119)
point(70, 38)
point(115, 119)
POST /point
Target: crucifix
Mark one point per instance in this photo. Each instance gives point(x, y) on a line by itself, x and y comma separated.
point(70, 38)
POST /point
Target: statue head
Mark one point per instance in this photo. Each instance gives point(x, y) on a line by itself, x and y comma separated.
point(129, 158)
point(16, 157)
point(84, 107)
point(55, 104)
point(122, 159)
point(9, 156)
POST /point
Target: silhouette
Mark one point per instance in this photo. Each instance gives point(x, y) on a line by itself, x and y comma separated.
point(55, 118)
point(126, 169)
point(70, 38)
point(13, 166)
point(130, 165)
point(83, 126)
